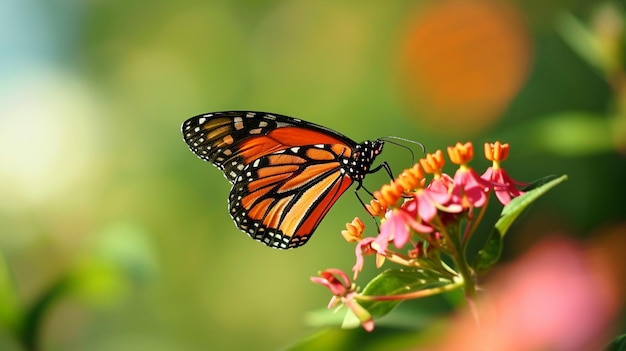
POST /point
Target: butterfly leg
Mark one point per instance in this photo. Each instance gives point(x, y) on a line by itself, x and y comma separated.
point(384, 165)
point(356, 192)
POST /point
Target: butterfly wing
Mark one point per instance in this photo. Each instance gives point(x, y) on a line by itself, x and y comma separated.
point(282, 197)
point(233, 139)
point(286, 173)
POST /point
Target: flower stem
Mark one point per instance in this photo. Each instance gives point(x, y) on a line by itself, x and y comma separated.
point(412, 295)
point(469, 281)
point(456, 250)
point(475, 222)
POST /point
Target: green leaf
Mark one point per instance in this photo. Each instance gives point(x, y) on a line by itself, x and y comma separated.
point(384, 338)
point(580, 134)
point(582, 40)
point(490, 253)
point(324, 317)
point(119, 257)
point(599, 47)
point(395, 282)
point(618, 344)
point(35, 313)
point(10, 304)
point(92, 280)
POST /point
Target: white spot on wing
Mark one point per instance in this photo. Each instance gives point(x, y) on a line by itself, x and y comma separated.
point(238, 122)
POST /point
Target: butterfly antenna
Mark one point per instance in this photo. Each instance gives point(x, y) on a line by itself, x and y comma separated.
point(387, 139)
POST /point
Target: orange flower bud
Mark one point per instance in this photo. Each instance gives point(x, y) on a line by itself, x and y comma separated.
point(389, 194)
point(433, 163)
point(411, 178)
point(461, 154)
point(354, 230)
point(375, 208)
point(496, 151)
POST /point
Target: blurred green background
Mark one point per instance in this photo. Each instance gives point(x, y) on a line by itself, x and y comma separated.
point(113, 236)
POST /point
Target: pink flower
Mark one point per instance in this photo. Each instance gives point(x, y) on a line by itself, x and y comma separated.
point(428, 202)
point(344, 292)
point(558, 296)
point(363, 247)
point(505, 186)
point(469, 189)
point(441, 183)
point(335, 280)
point(393, 228)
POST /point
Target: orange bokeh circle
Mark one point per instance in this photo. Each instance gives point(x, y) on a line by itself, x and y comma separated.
point(462, 62)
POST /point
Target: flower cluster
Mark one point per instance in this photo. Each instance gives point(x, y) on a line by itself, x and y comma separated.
point(426, 219)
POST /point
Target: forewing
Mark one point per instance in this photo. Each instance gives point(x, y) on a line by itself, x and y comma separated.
point(232, 140)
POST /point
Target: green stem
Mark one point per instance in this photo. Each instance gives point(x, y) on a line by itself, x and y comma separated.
point(469, 281)
point(441, 267)
point(456, 250)
point(475, 222)
point(412, 295)
point(33, 319)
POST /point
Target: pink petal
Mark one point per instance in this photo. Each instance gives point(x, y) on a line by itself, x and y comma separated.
point(361, 246)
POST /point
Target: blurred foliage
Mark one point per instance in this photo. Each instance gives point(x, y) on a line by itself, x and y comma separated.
point(114, 236)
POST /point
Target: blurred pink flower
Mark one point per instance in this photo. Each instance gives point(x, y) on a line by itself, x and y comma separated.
point(558, 296)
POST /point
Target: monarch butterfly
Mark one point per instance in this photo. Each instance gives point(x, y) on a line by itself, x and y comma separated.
point(286, 173)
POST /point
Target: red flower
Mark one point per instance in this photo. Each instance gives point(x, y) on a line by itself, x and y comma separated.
point(427, 202)
point(469, 190)
point(344, 291)
point(441, 183)
point(505, 186)
point(398, 222)
point(336, 281)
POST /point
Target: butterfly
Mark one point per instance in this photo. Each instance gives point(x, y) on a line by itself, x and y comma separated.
point(286, 173)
